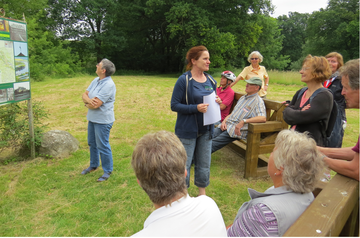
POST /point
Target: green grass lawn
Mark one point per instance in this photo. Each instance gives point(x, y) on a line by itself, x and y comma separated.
point(49, 197)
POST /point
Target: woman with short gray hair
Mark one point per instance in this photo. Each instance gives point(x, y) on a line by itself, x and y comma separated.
point(99, 98)
point(294, 167)
point(255, 70)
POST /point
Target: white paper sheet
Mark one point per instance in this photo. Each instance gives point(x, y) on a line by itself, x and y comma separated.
point(213, 113)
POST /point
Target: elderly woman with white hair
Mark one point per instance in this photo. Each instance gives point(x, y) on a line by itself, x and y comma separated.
point(255, 70)
point(294, 167)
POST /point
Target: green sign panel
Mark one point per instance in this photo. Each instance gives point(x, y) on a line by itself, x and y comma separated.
point(14, 62)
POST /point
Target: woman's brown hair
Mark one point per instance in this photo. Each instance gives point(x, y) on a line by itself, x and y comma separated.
point(194, 53)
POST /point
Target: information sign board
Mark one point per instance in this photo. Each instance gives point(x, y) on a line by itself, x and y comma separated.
point(14, 61)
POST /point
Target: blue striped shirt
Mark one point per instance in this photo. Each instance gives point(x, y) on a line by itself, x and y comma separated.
point(248, 106)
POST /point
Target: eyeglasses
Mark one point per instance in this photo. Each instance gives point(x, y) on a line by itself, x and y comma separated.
point(304, 68)
point(254, 58)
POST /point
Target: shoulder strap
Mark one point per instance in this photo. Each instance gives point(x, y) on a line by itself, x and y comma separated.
point(327, 129)
point(319, 90)
point(301, 92)
point(187, 85)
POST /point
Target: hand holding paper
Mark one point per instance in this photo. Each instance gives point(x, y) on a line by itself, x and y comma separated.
point(213, 113)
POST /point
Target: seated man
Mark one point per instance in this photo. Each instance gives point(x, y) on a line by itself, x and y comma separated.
point(159, 162)
point(226, 94)
point(249, 109)
point(346, 160)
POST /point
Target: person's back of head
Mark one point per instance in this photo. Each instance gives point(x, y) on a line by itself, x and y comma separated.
point(159, 162)
point(297, 155)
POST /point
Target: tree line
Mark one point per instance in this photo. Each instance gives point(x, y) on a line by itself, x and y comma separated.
point(69, 36)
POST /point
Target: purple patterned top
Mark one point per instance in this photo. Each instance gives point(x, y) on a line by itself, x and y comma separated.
point(258, 221)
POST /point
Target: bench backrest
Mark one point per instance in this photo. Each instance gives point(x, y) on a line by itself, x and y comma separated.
point(274, 109)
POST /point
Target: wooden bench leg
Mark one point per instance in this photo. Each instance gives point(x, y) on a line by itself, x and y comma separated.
point(251, 155)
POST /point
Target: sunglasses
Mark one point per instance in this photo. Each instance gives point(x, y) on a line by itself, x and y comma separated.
point(254, 58)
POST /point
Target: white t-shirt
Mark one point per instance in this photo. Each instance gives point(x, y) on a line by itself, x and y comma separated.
point(188, 216)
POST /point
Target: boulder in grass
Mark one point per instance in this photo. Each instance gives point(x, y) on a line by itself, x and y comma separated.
point(59, 144)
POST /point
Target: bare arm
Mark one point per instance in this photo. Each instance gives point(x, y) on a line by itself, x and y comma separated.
point(223, 126)
point(338, 153)
point(236, 80)
point(344, 167)
point(91, 103)
point(258, 119)
point(222, 106)
point(85, 97)
point(266, 82)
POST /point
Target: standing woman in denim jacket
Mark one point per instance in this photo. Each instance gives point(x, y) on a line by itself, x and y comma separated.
point(187, 101)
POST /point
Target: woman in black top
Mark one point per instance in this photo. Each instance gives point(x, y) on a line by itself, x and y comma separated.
point(307, 113)
point(334, 85)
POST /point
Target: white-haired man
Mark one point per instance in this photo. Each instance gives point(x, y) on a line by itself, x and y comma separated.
point(346, 160)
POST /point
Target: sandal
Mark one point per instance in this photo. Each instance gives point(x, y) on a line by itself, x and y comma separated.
point(104, 177)
point(88, 170)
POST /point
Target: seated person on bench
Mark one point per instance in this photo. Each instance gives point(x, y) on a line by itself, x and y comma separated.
point(249, 109)
point(295, 165)
point(346, 160)
point(226, 94)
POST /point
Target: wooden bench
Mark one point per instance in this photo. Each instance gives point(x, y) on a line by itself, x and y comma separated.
point(261, 138)
point(334, 212)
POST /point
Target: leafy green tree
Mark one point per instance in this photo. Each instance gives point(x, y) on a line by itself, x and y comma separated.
point(17, 9)
point(269, 44)
point(293, 28)
point(159, 32)
point(335, 28)
point(85, 21)
point(49, 56)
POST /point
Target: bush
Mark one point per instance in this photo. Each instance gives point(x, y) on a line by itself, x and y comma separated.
point(14, 127)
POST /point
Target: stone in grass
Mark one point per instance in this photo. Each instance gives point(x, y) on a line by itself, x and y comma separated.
point(58, 144)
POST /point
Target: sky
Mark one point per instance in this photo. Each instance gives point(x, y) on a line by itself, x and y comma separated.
point(282, 7)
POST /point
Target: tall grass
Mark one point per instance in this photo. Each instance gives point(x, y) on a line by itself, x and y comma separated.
point(49, 197)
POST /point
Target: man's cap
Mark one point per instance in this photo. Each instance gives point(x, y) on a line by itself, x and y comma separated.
point(254, 80)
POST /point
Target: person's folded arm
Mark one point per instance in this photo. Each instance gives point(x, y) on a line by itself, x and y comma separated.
point(320, 107)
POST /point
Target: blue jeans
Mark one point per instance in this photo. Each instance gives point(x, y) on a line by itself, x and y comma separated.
point(198, 151)
point(98, 140)
point(221, 138)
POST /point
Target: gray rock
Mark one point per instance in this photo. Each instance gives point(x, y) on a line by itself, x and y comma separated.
point(59, 144)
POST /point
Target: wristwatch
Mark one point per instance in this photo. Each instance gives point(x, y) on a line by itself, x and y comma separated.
point(244, 121)
point(267, 84)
